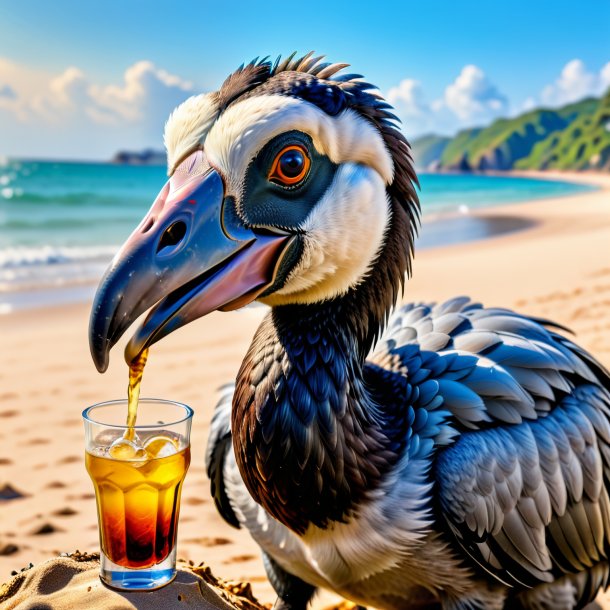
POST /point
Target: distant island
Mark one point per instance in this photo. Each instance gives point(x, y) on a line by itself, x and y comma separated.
point(573, 137)
point(148, 156)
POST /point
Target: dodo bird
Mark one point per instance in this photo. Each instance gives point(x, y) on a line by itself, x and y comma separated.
point(446, 455)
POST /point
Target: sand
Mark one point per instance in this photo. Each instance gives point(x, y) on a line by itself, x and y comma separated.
point(558, 267)
point(69, 582)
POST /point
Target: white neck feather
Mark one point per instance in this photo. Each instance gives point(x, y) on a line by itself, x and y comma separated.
point(343, 235)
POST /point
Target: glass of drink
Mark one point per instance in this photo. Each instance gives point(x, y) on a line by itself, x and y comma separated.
point(138, 474)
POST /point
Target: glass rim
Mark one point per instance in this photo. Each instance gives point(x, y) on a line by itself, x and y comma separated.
point(107, 403)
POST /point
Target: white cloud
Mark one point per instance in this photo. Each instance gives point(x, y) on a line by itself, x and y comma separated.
point(408, 98)
point(473, 96)
point(604, 76)
point(64, 96)
point(574, 83)
point(24, 80)
point(417, 115)
point(85, 114)
point(529, 104)
point(146, 91)
point(471, 99)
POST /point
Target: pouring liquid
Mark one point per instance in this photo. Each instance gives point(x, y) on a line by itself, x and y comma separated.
point(136, 370)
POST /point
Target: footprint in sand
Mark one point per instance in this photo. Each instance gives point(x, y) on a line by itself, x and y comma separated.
point(56, 485)
point(8, 549)
point(38, 441)
point(239, 559)
point(45, 529)
point(70, 459)
point(205, 541)
point(87, 496)
point(8, 492)
point(70, 423)
point(187, 519)
point(67, 511)
point(192, 501)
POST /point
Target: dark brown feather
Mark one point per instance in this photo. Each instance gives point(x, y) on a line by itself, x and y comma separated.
point(307, 440)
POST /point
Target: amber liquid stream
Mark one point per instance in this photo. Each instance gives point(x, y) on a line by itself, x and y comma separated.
point(138, 500)
point(136, 370)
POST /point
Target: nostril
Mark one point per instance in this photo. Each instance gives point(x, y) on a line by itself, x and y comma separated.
point(173, 235)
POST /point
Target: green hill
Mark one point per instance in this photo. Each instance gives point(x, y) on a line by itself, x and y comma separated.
point(584, 144)
point(456, 152)
point(575, 136)
point(428, 149)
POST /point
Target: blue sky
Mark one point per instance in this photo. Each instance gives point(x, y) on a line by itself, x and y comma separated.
point(81, 80)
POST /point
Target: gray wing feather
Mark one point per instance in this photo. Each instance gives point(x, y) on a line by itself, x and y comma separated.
point(539, 512)
point(219, 446)
point(524, 453)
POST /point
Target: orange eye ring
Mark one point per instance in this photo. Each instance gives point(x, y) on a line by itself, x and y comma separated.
point(289, 167)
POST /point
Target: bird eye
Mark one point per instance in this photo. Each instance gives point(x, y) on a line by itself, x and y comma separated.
point(290, 166)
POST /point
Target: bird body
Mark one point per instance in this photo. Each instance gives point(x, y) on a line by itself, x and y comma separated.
point(499, 439)
point(444, 455)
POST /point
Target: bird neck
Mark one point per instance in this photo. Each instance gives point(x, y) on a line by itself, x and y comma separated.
point(309, 439)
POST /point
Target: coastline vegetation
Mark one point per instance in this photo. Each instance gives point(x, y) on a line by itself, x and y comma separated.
point(573, 137)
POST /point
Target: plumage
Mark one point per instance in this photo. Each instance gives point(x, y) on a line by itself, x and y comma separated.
point(219, 445)
point(522, 491)
point(435, 454)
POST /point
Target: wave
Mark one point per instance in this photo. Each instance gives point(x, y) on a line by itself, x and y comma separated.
point(66, 223)
point(23, 256)
point(79, 199)
point(57, 223)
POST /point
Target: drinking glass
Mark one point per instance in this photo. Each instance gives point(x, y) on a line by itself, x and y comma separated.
point(138, 474)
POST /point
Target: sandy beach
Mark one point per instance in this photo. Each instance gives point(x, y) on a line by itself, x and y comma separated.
point(557, 267)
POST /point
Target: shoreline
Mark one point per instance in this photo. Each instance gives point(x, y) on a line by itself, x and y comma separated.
point(506, 219)
point(600, 179)
point(581, 177)
point(437, 231)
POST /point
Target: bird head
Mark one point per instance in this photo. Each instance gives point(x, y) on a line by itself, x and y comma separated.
point(285, 186)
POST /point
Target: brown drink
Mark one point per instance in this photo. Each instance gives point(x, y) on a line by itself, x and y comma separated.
point(138, 503)
point(138, 473)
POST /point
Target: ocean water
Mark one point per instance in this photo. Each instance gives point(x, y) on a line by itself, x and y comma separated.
point(60, 223)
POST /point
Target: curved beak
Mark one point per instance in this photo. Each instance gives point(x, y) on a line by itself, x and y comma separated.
point(189, 256)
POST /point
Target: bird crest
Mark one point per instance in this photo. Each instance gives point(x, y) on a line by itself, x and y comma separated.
point(311, 78)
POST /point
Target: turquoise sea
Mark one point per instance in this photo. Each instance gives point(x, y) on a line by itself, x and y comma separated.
point(60, 223)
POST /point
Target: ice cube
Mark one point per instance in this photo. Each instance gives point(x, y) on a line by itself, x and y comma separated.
point(160, 447)
point(99, 451)
point(107, 437)
point(125, 449)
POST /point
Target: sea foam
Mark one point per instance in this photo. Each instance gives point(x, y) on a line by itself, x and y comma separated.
point(20, 256)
